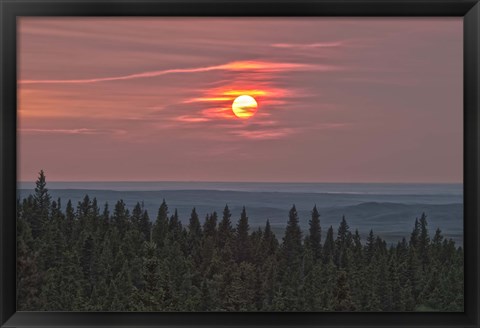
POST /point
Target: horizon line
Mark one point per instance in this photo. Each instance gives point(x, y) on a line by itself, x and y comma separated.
point(233, 181)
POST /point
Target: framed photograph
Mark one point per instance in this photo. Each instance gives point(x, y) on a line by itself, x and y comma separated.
point(223, 163)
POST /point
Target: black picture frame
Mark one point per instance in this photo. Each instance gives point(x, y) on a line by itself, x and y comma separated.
point(11, 10)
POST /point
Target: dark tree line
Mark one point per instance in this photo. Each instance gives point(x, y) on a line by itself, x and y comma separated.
point(92, 258)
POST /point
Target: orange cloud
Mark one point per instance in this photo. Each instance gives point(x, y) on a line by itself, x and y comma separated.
point(259, 85)
point(191, 119)
point(219, 112)
point(207, 99)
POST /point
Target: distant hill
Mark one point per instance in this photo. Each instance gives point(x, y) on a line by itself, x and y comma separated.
point(390, 216)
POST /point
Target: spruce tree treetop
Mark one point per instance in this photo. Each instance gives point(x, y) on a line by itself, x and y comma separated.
point(163, 212)
point(95, 208)
point(226, 213)
point(174, 224)
point(329, 246)
point(292, 241)
point(41, 204)
point(424, 240)
point(41, 191)
point(225, 225)
point(415, 234)
point(225, 229)
point(343, 230)
point(137, 212)
point(370, 247)
point(210, 225)
point(121, 216)
point(84, 207)
point(344, 236)
point(315, 233)
point(41, 197)
point(269, 241)
point(268, 229)
point(194, 227)
point(242, 250)
point(243, 227)
point(160, 228)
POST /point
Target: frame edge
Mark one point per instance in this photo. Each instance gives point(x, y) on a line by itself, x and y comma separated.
point(472, 161)
point(8, 165)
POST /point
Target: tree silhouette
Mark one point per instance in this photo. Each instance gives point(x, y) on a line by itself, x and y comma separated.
point(81, 260)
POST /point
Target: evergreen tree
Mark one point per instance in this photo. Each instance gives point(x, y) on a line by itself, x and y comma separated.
point(95, 217)
point(424, 241)
point(177, 278)
point(357, 250)
point(415, 235)
point(41, 203)
point(194, 238)
point(329, 246)
point(292, 241)
point(105, 220)
point(86, 261)
point(141, 221)
point(145, 226)
point(52, 243)
point(343, 245)
point(241, 289)
point(210, 226)
point(121, 217)
point(61, 288)
point(343, 299)
point(152, 293)
point(242, 242)
point(84, 209)
point(137, 215)
point(160, 228)
point(29, 278)
point(436, 249)
point(370, 247)
point(315, 234)
point(225, 228)
point(291, 268)
point(175, 227)
point(269, 241)
point(123, 290)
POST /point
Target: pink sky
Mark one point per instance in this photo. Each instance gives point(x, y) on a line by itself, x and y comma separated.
point(340, 99)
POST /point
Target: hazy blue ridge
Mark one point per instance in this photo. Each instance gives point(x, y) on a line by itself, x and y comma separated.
point(388, 209)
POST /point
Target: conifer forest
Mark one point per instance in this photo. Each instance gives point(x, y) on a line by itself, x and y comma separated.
point(107, 257)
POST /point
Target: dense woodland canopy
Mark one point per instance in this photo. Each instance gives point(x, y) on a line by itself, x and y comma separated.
point(89, 257)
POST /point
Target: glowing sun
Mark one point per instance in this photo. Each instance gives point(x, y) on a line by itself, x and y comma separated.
point(244, 106)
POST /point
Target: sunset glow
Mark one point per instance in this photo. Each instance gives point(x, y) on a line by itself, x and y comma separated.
point(243, 99)
point(244, 106)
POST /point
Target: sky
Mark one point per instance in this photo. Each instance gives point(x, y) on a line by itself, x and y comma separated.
point(150, 99)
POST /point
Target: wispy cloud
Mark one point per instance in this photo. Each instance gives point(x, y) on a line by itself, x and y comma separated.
point(191, 119)
point(259, 66)
point(220, 112)
point(264, 134)
point(72, 131)
point(328, 126)
point(207, 99)
point(308, 45)
point(269, 130)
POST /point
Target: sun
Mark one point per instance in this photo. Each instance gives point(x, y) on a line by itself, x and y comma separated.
point(244, 106)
